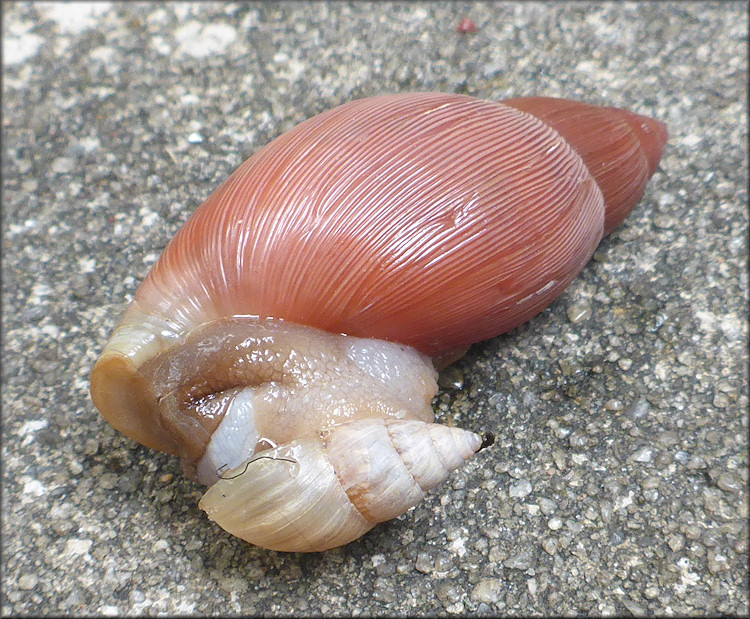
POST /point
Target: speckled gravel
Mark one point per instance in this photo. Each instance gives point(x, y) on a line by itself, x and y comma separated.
point(618, 483)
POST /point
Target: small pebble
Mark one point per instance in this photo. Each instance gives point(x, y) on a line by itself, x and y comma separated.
point(664, 458)
point(27, 582)
point(635, 609)
point(573, 526)
point(720, 401)
point(74, 599)
point(717, 562)
point(63, 165)
point(383, 592)
point(129, 480)
point(466, 26)
point(91, 447)
point(676, 543)
point(644, 454)
point(614, 405)
point(530, 400)
point(556, 483)
point(448, 592)
point(667, 438)
point(730, 482)
point(558, 455)
point(75, 547)
point(520, 490)
point(712, 496)
point(164, 496)
point(443, 562)
point(108, 610)
point(696, 462)
point(590, 513)
point(710, 537)
point(107, 481)
point(554, 523)
point(75, 468)
point(577, 440)
point(578, 312)
point(637, 410)
point(519, 561)
point(548, 506)
point(550, 545)
point(423, 563)
point(385, 569)
point(160, 545)
point(569, 368)
point(532, 586)
point(693, 531)
point(665, 222)
point(488, 590)
point(497, 555)
point(625, 364)
point(62, 526)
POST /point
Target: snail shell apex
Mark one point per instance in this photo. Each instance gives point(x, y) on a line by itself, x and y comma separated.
point(621, 149)
point(339, 259)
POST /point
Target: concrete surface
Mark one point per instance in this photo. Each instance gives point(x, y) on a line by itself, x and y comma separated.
point(618, 483)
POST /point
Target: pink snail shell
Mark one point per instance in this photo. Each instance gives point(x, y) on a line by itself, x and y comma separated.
point(283, 344)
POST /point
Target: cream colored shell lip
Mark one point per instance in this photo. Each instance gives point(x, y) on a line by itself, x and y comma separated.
point(119, 391)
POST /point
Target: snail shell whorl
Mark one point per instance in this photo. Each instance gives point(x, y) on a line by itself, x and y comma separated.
point(358, 219)
point(621, 149)
point(322, 491)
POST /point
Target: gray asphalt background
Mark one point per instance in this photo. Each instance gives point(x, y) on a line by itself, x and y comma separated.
point(618, 483)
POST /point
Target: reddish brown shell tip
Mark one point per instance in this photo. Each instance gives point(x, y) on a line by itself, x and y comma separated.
point(621, 149)
point(652, 135)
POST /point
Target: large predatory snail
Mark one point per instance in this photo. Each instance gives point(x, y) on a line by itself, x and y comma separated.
point(285, 343)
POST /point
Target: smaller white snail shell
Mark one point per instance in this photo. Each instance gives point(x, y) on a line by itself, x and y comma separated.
point(327, 489)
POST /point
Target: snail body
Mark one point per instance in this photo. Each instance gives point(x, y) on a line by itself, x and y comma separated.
point(310, 297)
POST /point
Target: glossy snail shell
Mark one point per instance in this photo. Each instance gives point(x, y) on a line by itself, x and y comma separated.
point(283, 344)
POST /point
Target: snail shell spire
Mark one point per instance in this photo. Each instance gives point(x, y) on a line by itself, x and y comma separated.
point(322, 491)
point(621, 149)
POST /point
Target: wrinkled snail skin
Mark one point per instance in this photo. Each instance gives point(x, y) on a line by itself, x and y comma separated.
point(285, 343)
